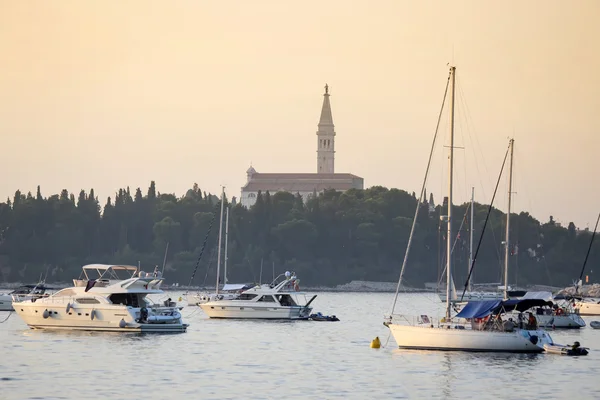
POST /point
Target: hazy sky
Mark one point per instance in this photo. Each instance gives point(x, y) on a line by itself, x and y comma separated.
point(102, 95)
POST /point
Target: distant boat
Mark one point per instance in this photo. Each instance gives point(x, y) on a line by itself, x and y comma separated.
point(552, 315)
point(22, 293)
point(279, 300)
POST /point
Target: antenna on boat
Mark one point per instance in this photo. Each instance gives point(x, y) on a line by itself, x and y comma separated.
point(260, 275)
point(220, 237)
point(226, 240)
point(273, 270)
point(507, 244)
point(165, 259)
point(471, 236)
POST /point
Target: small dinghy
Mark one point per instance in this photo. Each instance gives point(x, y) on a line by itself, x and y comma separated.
point(566, 350)
point(321, 317)
point(595, 324)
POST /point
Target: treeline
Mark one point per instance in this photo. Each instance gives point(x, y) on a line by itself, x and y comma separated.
point(331, 239)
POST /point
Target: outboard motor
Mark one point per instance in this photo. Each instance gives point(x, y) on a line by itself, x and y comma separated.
point(143, 314)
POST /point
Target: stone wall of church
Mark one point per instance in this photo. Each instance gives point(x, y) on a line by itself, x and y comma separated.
point(249, 198)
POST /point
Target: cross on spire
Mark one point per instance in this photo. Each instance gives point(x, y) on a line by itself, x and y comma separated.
point(326, 89)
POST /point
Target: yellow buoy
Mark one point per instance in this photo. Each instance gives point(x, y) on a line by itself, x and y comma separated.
point(376, 343)
point(180, 298)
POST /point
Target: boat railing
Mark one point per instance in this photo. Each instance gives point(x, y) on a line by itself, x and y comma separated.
point(424, 320)
point(488, 324)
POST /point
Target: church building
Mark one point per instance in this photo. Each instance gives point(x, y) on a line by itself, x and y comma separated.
point(306, 184)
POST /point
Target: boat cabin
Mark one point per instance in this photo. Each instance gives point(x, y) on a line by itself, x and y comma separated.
point(283, 299)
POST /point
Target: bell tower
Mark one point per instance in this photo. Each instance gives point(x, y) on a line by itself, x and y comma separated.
point(326, 138)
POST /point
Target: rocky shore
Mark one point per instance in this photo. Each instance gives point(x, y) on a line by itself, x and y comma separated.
point(585, 291)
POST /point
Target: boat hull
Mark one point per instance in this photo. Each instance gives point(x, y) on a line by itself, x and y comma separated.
point(587, 308)
point(451, 339)
point(253, 311)
point(57, 316)
point(570, 321)
point(6, 302)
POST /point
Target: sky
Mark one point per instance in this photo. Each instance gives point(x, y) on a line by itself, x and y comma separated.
point(106, 95)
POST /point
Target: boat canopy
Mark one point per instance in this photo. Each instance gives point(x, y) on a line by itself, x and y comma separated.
point(522, 305)
point(236, 286)
point(481, 309)
point(546, 296)
point(106, 271)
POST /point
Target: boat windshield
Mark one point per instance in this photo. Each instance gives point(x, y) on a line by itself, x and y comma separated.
point(286, 300)
point(127, 299)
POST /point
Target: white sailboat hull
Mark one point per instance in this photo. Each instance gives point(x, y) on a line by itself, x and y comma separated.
point(587, 308)
point(427, 338)
point(253, 310)
point(571, 321)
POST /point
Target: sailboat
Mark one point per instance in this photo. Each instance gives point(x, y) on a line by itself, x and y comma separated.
point(478, 327)
point(228, 291)
point(580, 305)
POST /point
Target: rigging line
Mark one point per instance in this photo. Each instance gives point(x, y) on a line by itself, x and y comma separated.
point(461, 130)
point(589, 249)
point(7, 317)
point(467, 118)
point(412, 229)
point(457, 237)
point(210, 261)
point(487, 217)
point(468, 113)
point(541, 250)
point(218, 205)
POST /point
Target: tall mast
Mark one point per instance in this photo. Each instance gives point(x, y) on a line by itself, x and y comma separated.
point(507, 240)
point(450, 183)
point(471, 238)
point(226, 236)
point(220, 234)
point(580, 282)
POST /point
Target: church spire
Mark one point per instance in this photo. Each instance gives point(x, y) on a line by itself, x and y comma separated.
point(326, 138)
point(326, 118)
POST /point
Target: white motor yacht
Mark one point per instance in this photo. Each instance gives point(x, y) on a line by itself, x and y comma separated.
point(279, 300)
point(25, 292)
point(104, 303)
point(227, 292)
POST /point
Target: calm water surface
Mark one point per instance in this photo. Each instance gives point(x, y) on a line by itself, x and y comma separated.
point(221, 359)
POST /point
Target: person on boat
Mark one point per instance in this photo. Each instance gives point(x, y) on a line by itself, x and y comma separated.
point(576, 346)
point(520, 320)
point(532, 322)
